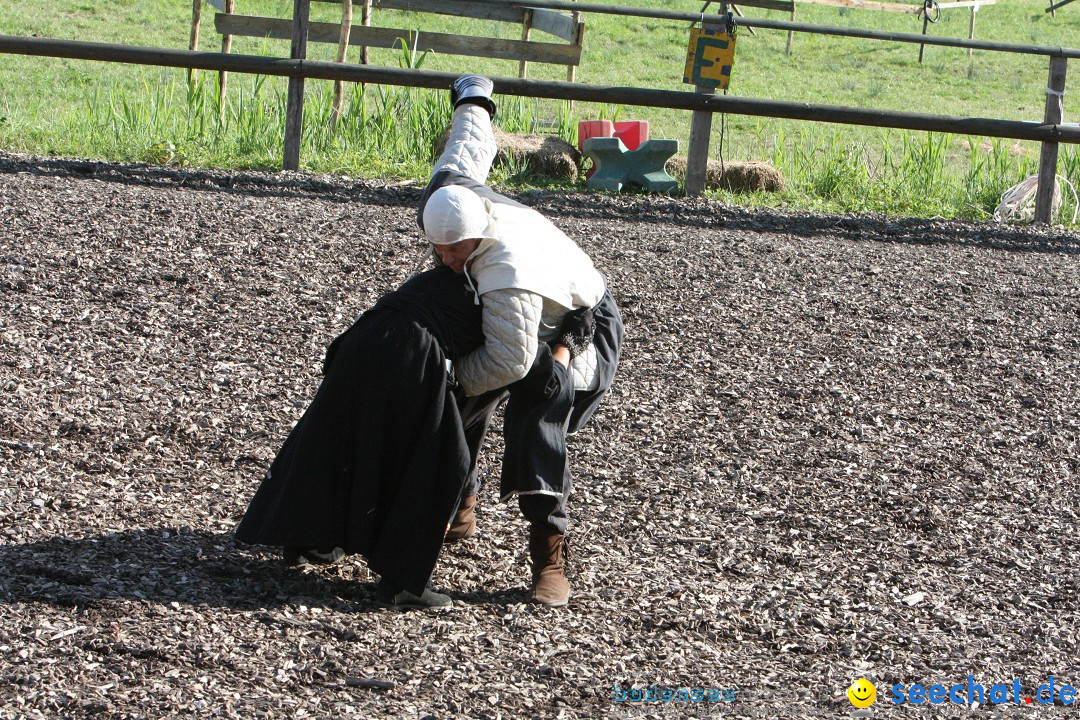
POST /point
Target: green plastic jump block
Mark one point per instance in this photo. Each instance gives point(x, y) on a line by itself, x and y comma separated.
point(617, 166)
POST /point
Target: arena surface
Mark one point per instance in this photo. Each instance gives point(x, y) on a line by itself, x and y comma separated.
point(838, 447)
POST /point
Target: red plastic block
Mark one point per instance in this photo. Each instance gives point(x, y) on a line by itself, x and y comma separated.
point(632, 133)
point(593, 128)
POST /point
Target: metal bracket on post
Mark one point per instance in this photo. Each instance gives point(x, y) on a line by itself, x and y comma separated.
point(294, 107)
point(928, 7)
point(1055, 91)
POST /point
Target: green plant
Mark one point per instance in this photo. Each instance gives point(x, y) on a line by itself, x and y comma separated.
point(126, 112)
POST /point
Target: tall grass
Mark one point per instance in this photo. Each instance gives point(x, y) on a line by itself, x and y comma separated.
point(149, 114)
point(392, 132)
point(923, 174)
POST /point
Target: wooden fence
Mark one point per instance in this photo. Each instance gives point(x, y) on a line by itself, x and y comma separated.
point(1050, 131)
point(567, 27)
point(700, 124)
point(929, 9)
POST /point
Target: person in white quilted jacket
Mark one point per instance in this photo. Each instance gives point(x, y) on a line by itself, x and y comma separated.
point(552, 332)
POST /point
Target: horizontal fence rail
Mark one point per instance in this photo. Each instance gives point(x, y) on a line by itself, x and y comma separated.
point(279, 29)
point(319, 70)
point(796, 27)
point(553, 23)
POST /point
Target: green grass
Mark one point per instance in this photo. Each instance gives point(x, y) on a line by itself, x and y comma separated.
point(122, 112)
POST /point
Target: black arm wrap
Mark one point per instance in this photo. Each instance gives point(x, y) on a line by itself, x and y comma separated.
point(576, 331)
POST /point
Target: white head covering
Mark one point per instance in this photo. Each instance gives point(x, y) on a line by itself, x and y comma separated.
point(454, 213)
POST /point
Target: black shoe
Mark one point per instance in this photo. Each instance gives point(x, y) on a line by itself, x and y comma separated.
point(474, 89)
point(300, 556)
point(388, 596)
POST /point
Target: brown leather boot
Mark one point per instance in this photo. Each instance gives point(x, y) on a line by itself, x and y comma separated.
point(548, 551)
point(464, 524)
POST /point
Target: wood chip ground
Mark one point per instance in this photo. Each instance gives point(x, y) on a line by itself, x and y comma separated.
point(838, 447)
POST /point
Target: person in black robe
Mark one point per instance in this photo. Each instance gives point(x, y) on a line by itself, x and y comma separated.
point(377, 463)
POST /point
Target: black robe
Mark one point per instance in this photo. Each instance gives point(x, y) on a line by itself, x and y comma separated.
point(376, 464)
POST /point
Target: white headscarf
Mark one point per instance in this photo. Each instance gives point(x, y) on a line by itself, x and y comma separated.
point(454, 213)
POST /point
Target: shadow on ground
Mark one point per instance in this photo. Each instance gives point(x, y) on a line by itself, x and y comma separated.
point(191, 567)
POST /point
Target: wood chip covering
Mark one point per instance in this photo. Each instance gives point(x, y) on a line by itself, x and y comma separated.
point(838, 447)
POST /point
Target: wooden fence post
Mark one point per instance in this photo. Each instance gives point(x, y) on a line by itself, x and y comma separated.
point(196, 19)
point(1055, 91)
point(343, 50)
point(697, 155)
point(526, 33)
point(571, 70)
point(790, 33)
point(971, 25)
point(365, 20)
point(294, 107)
point(223, 77)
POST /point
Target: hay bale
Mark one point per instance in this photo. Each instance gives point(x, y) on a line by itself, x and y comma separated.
point(737, 177)
point(541, 155)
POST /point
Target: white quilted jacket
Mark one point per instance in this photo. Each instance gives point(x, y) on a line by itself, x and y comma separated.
point(514, 322)
point(525, 288)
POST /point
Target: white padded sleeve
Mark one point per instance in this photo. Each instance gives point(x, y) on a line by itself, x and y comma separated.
point(470, 148)
point(511, 319)
point(585, 370)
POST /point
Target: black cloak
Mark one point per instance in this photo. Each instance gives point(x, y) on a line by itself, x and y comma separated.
point(376, 464)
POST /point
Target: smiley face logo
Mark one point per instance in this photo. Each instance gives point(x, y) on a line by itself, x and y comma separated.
point(862, 693)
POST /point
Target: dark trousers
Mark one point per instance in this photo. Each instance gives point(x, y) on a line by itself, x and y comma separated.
point(535, 464)
point(540, 410)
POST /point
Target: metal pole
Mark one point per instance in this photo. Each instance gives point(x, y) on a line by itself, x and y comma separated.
point(294, 106)
point(1055, 91)
point(925, 23)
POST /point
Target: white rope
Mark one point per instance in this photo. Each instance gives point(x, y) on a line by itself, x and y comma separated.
point(1060, 95)
point(1018, 202)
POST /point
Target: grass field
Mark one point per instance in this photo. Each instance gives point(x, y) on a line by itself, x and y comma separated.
point(137, 113)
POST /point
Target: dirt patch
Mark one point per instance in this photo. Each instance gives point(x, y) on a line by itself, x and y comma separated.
point(838, 447)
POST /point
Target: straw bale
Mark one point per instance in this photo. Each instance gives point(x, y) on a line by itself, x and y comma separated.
point(738, 177)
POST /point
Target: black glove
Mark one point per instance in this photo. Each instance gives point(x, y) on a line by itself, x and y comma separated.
point(576, 332)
